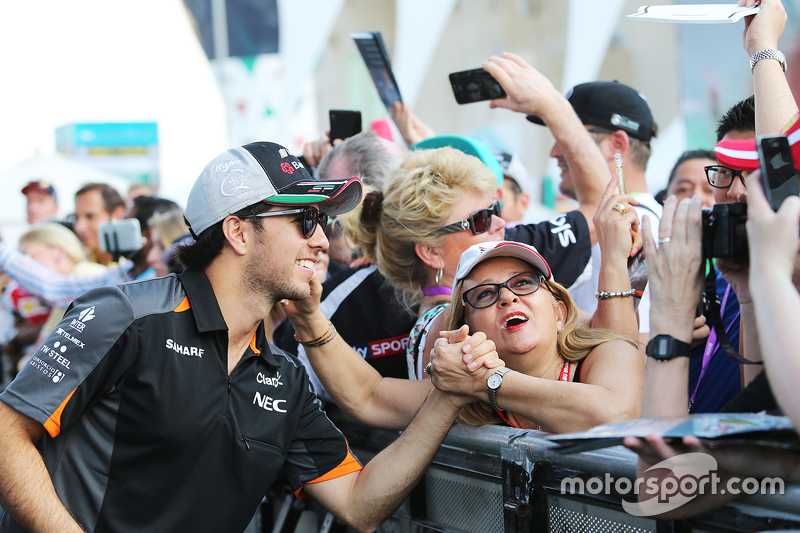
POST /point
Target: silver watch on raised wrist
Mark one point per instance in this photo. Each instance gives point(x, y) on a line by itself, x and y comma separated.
point(493, 383)
point(768, 54)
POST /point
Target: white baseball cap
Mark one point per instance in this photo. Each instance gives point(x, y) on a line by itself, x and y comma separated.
point(477, 253)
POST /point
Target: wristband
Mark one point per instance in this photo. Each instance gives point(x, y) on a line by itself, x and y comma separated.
point(319, 341)
point(603, 295)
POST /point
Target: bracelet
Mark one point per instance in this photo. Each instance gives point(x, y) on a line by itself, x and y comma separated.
point(319, 341)
point(770, 53)
point(603, 295)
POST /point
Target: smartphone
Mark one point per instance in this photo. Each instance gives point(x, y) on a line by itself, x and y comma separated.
point(120, 236)
point(474, 86)
point(779, 178)
point(370, 44)
point(344, 124)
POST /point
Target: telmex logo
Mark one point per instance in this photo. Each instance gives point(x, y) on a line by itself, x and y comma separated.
point(234, 182)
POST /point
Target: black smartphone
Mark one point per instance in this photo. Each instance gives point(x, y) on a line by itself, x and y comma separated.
point(474, 86)
point(779, 178)
point(372, 49)
point(344, 124)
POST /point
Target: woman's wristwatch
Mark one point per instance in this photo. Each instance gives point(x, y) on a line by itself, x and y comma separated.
point(493, 383)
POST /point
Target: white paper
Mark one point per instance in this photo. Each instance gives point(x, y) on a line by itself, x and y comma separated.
point(694, 14)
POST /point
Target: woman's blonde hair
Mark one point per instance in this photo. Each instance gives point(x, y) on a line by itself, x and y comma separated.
point(170, 225)
point(575, 341)
point(55, 235)
point(417, 198)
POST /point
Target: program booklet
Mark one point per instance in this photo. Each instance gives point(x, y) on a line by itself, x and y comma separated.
point(372, 49)
point(694, 13)
point(714, 429)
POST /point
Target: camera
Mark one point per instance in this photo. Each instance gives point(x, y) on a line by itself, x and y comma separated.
point(120, 236)
point(724, 231)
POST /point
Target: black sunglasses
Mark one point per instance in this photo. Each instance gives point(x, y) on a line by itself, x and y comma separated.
point(721, 177)
point(488, 294)
point(311, 217)
point(478, 222)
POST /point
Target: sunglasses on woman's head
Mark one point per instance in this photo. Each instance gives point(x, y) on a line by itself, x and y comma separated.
point(308, 224)
point(488, 294)
point(478, 222)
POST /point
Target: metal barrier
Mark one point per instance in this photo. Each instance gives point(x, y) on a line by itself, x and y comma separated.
point(495, 479)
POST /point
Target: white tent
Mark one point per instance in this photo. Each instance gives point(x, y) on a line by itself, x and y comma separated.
point(66, 177)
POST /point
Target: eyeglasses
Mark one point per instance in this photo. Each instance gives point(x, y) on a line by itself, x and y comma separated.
point(488, 294)
point(311, 217)
point(478, 222)
point(721, 177)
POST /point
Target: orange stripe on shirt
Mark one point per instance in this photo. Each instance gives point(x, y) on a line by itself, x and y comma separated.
point(253, 344)
point(183, 306)
point(53, 424)
point(348, 466)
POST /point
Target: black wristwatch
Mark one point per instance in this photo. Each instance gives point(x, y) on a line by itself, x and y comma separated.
point(666, 347)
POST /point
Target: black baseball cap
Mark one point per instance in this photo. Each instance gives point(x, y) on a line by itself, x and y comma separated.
point(611, 105)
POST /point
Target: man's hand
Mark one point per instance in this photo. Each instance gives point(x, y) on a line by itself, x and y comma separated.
point(763, 30)
point(448, 371)
point(316, 150)
point(411, 128)
point(528, 90)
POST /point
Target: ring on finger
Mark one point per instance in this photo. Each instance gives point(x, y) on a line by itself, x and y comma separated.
point(664, 240)
point(620, 208)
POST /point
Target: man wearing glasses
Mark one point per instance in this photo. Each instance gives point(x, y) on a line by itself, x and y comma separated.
point(160, 405)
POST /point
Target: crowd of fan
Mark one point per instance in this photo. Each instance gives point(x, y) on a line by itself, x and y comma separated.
point(414, 277)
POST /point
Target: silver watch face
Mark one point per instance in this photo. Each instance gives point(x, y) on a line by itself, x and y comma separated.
point(494, 381)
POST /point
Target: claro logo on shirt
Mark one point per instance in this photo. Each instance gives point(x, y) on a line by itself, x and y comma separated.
point(560, 227)
point(267, 380)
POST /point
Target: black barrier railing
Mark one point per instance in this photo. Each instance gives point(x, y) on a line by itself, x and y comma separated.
point(495, 479)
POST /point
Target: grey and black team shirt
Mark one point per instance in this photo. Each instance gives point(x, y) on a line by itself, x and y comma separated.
point(146, 431)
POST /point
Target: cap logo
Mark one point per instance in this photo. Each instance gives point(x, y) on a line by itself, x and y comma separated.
point(624, 122)
point(223, 167)
point(337, 203)
point(283, 152)
point(286, 167)
point(234, 183)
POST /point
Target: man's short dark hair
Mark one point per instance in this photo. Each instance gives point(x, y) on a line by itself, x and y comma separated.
point(111, 198)
point(513, 186)
point(147, 206)
point(209, 244)
point(740, 117)
point(688, 155)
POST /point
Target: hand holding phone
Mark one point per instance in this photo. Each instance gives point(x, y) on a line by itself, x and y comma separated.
point(474, 86)
point(779, 178)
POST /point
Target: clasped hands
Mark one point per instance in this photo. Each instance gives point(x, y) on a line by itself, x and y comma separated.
point(461, 363)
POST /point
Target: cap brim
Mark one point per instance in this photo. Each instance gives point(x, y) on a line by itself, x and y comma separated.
point(335, 197)
point(737, 154)
point(521, 251)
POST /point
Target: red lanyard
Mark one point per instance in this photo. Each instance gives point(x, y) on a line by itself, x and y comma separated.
point(564, 376)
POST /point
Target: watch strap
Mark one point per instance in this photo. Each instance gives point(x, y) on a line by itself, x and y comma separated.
point(493, 392)
point(667, 347)
point(769, 53)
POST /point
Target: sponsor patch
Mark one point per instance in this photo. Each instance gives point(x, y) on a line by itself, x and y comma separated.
point(56, 353)
point(382, 348)
point(74, 340)
point(269, 380)
point(85, 316)
point(42, 366)
point(268, 403)
point(190, 351)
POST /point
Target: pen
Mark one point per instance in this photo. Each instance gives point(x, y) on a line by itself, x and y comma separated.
point(620, 174)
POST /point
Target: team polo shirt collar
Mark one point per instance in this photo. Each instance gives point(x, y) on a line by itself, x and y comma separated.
point(208, 316)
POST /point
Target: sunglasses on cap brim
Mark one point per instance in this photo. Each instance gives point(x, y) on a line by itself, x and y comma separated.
point(478, 222)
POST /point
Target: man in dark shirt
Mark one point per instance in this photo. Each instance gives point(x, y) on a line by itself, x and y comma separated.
point(160, 406)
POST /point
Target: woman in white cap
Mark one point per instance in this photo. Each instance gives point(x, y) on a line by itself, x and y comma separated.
point(560, 376)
